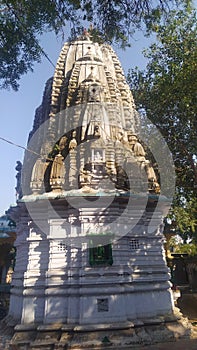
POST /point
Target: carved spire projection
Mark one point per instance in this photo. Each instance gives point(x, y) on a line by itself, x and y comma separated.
point(89, 136)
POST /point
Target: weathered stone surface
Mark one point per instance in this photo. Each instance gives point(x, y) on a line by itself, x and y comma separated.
point(88, 97)
point(97, 339)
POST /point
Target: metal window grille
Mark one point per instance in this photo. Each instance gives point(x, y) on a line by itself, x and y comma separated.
point(100, 255)
point(134, 244)
point(61, 246)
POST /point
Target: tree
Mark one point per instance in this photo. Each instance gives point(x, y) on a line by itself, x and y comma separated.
point(166, 92)
point(182, 221)
point(22, 22)
point(185, 222)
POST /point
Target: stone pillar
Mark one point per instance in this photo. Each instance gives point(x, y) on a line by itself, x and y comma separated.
point(73, 179)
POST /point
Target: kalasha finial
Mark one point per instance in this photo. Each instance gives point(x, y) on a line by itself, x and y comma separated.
point(86, 34)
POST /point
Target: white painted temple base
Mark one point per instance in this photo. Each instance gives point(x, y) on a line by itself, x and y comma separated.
point(60, 301)
point(54, 281)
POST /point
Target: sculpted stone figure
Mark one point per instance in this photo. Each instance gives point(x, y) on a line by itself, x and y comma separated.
point(119, 137)
point(152, 179)
point(73, 142)
point(85, 177)
point(86, 35)
point(37, 178)
point(98, 157)
point(57, 172)
point(62, 143)
point(136, 149)
point(136, 146)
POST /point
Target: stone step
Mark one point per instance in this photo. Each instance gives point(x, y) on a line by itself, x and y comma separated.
point(94, 339)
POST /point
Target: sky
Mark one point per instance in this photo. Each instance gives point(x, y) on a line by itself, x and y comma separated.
point(18, 108)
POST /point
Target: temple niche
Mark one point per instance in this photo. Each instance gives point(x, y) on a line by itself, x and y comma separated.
point(89, 225)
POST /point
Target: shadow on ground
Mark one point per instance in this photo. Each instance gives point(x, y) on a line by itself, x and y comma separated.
point(187, 304)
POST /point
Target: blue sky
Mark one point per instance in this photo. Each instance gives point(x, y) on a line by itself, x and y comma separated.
point(18, 108)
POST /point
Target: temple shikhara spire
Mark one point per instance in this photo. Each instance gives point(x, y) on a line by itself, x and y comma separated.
point(89, 222)
point(90, 126)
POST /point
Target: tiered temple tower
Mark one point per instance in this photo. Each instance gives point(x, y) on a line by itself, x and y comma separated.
point(89, 230)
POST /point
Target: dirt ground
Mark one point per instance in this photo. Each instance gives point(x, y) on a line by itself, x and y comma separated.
point(188, 306)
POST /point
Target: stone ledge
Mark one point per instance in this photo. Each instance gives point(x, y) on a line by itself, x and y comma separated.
point(168, 318)
point(50, 327)
point(98, 327)
point(116, 336)
point(25, 327)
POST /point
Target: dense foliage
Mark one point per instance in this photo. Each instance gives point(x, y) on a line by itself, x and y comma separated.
point(22, 22)
point(183, 248)
point(166, 92)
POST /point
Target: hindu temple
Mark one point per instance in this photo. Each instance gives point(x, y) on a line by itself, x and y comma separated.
point(90, 259)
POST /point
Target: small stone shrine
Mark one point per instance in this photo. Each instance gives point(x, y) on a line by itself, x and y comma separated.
point(89, 241)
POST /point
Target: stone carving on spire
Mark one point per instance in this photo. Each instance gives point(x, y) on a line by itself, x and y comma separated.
point(63, 143)
point(136, 146)
point(73, 142)
point(37, 178)
point(139, 153)
point(103, 114)
point(96, 133)
point(85, 35)
point(57, 176)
